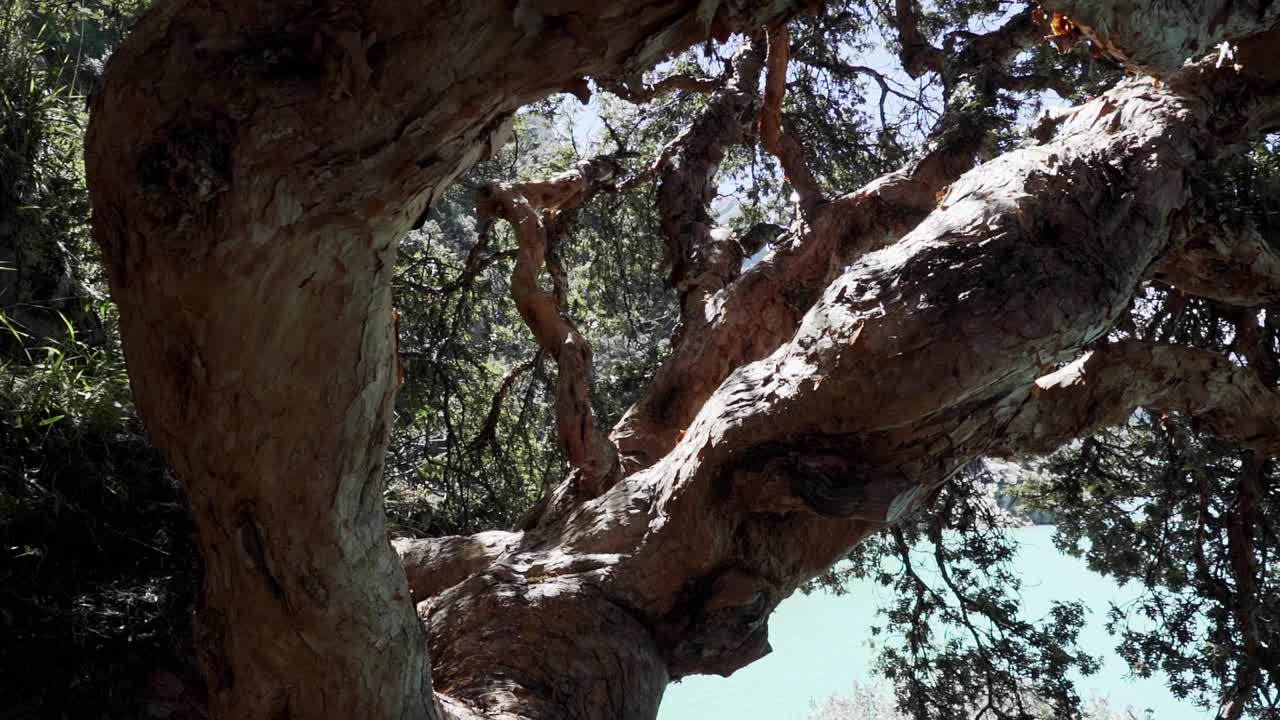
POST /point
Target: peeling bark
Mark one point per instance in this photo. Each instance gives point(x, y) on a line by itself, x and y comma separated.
point(1231, 263)
point(753, 316)
point(916, 359)
point(704, 258)
point(1158, 38)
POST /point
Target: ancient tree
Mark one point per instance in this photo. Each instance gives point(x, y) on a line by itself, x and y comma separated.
point(253, 165)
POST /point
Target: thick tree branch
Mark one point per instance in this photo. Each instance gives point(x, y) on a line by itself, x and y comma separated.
point(433, 565)
point(703, 258)
point(914, 361)
point(773, 137)
point(249, 226)
point(1231, 262)
point(1106, 385)
point(252, 166)
point(1161, 37)
point(633, 88)
point(759, 311)
point(762, 309)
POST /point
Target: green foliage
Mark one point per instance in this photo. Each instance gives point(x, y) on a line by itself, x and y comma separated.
point(41, 124)
point(1153, 503)
point(459, 334)
point(45, 254)
point(98, 568)
point(67, 380)
point(954, 642)
point(464, 457)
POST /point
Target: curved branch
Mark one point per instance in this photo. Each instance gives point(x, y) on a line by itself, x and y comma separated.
point(761, 310)
point(704, 258)
point(1105, 386)
point(1232, 265)
point(918, 55)
point(532, 209)
point(913, 361)
point(634, 90)
point(773, 137)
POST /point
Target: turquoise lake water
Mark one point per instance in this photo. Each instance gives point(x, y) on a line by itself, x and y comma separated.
point(820, 646)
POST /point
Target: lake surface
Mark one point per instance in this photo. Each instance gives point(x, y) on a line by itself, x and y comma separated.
point(821, 645)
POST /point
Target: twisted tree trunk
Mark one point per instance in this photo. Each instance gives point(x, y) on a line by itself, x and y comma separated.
point(253, 164)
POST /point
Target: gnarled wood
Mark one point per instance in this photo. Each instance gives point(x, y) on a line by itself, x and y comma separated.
point(758, 312)
point(252, 165)
point(773, 137)
point(1158, 38)
point(1231, 262)
point(915, 360)
point(1105, 386)
point(534, 210)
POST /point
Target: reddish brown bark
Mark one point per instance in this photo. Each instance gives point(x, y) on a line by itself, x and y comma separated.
point(535, 211)
point(916, 359)
point(747, 319)
point(252, 166)
point(773, 137)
